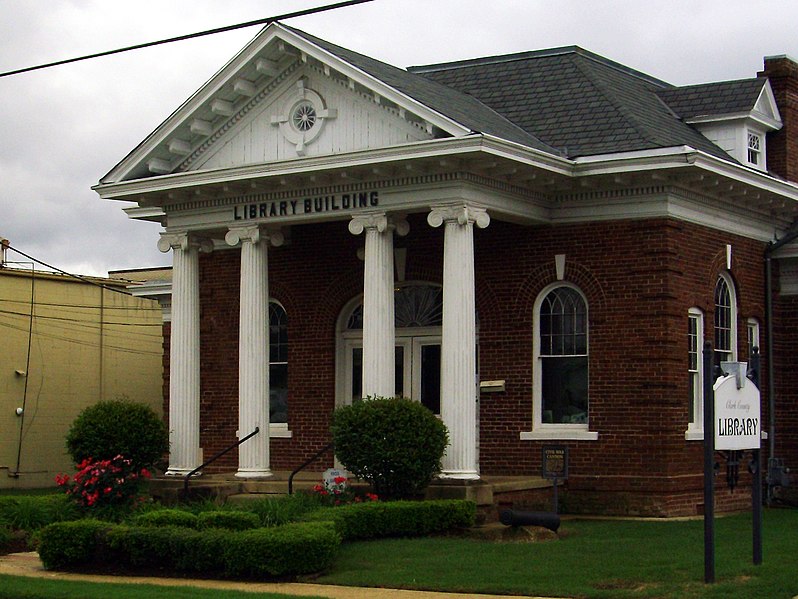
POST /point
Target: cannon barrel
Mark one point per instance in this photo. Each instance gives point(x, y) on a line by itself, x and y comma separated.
point(548, 520)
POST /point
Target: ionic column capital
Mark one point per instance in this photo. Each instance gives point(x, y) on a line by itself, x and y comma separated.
point(254, 234)
point(462, 214)
point(184, 241)
point(379, 221)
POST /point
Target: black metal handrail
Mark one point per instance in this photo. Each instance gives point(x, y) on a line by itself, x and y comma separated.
point(216, 457)
point(307, 463)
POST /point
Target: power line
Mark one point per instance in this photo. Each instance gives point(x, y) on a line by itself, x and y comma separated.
point(63, 272)
point(180, 38)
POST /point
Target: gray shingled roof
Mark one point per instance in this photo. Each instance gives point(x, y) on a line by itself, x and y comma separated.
point(714, 99)
point(574, 100)
point(456, 105)
point(564, 101)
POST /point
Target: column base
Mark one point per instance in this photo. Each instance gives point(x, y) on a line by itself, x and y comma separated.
point(181, 472)
point(254, 473)
point(459, 475)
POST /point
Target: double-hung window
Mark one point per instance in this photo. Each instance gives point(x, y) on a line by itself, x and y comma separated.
point(278, 365)
point(560, 367)
point(695, 373)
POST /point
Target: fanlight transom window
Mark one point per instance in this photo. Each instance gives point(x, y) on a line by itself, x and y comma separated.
point(414, 306)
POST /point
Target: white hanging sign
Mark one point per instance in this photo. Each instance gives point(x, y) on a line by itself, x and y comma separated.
point(738, 422)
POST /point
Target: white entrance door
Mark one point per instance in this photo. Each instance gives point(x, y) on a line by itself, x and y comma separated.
point(418, 369)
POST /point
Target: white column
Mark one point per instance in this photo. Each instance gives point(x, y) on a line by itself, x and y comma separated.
point(458, 345)
point(253, 349)
point(184, 354)
point(378, 310)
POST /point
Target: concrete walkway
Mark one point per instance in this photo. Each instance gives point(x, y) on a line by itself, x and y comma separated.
point(28, 564)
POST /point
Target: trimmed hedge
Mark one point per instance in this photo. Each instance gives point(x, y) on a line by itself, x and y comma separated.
point(229, 519)
point(167, 517)
point(398, 518)
point(69, 544)
point(156, 541)
point(301, 548)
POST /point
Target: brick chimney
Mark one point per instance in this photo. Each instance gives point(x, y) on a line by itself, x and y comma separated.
point(782, 146)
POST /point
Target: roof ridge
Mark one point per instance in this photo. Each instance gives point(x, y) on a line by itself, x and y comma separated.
point(608, 92)
point(534, 54)
point(676, 88)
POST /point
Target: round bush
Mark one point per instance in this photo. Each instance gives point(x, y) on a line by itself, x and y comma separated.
point(111, 428)
point(395, 444)
point(166, 517)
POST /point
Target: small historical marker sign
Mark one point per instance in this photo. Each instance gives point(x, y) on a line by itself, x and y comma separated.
point(555, 461)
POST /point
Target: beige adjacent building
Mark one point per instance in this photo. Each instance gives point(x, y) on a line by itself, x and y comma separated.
point(67, 344)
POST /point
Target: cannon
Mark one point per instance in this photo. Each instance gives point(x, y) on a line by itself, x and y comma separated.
point(548, 520)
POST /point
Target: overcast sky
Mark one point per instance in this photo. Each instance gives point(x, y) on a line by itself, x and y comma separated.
point(63, 128)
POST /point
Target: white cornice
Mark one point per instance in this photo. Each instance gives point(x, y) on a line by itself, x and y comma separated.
point(438, 148)
point(680, 156)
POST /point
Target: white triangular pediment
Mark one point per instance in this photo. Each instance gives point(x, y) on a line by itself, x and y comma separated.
point(765, 109)
point(235, 118)
point(308, 112)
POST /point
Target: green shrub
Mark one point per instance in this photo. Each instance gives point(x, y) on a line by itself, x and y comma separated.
point(111, 428)
point(5, 537)
point(228, 519)
point(276, 511)
point(146, 546)
point(395, 444)
point(31, 513)
point(398, 518)
point(166, 517)
point(203, 551)
point(300, 548)
point(69, 544)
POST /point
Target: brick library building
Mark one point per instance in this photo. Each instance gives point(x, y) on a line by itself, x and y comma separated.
point(534, 246)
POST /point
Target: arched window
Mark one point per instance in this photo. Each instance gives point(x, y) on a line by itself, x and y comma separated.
point(278, 364)
point(415, 305)
point(418, 316)
point(562, 357)
point(725, 320)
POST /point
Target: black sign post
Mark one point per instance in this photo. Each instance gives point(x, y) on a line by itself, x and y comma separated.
point(709, 466)
point(554, 460)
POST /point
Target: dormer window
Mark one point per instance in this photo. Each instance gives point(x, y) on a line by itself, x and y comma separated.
point(754, 148)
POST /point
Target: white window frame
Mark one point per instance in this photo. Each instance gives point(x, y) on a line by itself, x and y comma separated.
point(758, 149)
point(732, 357)
point(278, 430)
point(541, 430)
point(752, 327)
point(695, 429)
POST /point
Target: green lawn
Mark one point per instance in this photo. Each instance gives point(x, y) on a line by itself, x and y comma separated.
point(591, 559)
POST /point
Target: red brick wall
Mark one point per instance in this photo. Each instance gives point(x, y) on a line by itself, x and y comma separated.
point(639, 277)
point(785, 338)
point(639, 285)
point(782, 146)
